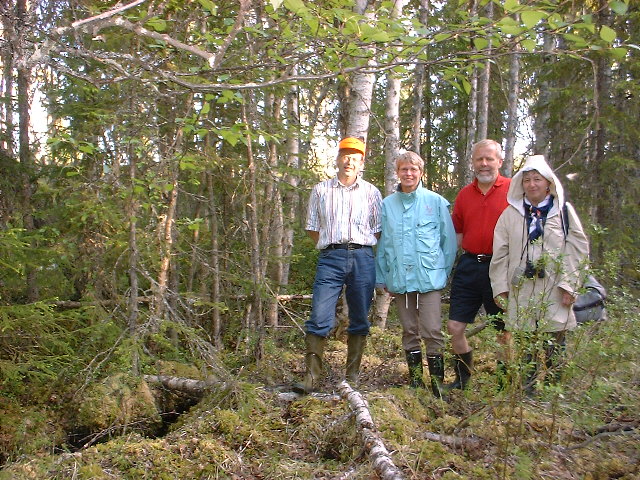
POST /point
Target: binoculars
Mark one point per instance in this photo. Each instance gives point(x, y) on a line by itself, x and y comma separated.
point(531, 270)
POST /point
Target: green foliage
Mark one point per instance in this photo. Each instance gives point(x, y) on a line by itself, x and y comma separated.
point(142, 114)
point(34, 348)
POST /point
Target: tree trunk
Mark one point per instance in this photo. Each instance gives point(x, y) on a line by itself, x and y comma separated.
point(472, 125)
point(291, 196)
point(25, 154)
point(166, 232)
point(512, 111)
point(542, 111)
point(361, 91)
point(392, 119)
point(214, 261)
point(483, 88)
point(604, 197)
point(391, 132)
point(6, 85)
point(133, 312)
point(273, 221)
point(254, 319)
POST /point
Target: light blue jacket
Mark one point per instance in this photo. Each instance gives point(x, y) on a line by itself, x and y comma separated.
point(418, 245)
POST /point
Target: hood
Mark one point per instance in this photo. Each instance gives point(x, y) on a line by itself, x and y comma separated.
point(516, 190)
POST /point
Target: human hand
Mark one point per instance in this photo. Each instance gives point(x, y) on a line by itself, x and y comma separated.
point(568, 298)
point(502, 300)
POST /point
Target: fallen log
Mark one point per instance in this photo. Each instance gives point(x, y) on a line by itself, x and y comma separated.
point(184, 385)
point(380, 457)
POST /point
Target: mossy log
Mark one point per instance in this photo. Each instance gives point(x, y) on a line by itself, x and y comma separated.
point(380, 457)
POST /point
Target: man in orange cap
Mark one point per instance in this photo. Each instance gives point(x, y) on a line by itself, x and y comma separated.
point(344, 220)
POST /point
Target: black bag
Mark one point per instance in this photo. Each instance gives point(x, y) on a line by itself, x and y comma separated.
point(589, 306)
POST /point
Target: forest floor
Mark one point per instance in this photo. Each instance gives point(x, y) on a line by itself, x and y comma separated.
point(585, 428)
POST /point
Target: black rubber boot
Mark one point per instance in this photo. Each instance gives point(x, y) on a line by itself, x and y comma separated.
point(554, 358)
point(436, 373)
point(414, 362)
point(355, 348)
point(313, 361)
point(463, 364)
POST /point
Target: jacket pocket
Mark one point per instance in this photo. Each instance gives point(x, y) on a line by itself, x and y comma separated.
point(427, 237)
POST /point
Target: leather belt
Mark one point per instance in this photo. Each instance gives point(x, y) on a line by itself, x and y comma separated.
point(344, 246)
point(480, 257)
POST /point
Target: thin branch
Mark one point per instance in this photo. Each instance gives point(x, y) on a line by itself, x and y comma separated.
point(139, 30)
point(107, 14)
point(215, 62)
point(599, 436)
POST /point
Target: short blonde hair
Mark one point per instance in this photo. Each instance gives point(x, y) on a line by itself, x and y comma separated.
point(412, 158)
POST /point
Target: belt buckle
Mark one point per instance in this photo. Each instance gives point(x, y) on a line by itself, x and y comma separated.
point(482, 258)
point(351, 246)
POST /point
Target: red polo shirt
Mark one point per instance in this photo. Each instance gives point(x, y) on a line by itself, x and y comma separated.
point(475, 214)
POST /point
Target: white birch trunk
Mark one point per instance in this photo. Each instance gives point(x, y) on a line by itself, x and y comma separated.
point(291, 197)
point(378, 453)
point(361, 91)
point(483, 88)
point(464, 164)
point(512, 111)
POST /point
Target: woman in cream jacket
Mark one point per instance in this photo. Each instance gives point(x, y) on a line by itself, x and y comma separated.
point(537, 268)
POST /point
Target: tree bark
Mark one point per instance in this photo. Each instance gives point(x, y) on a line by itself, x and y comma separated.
point(483, 88)
point(604, 198)
point(133, 311)
point(255, 318)
point(291, 196)
point(512, 111)
point(361, 91)
point(392, 119)
point(378, 453)
point(25, 154)
point(472, 120)
point(273, 219)
point(542, 115)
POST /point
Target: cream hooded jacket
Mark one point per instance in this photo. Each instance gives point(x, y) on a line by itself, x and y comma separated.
point(536, 303)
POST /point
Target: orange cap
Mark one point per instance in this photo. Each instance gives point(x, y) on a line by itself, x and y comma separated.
point(352, 142)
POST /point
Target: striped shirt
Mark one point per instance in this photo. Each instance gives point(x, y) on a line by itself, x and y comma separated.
point(344, 214)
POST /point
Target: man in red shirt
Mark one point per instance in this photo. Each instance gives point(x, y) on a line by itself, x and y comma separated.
point(475, 214)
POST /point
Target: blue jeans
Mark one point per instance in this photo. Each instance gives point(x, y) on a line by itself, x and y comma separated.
point(353, 268)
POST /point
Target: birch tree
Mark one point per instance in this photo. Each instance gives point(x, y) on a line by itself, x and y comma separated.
point(513, 99)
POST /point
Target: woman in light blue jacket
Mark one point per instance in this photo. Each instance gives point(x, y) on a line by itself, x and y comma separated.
point(415, 256)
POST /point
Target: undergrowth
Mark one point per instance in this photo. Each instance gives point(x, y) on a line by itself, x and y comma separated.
point(585, 426)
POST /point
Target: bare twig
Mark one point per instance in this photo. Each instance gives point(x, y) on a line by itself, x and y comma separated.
point(599, 436)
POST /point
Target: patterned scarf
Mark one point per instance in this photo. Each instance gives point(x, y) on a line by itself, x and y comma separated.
point(537, 216)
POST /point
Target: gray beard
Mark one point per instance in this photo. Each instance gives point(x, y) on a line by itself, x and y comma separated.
point(486, 178)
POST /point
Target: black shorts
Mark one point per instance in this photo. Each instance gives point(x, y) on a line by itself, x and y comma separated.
point(470, 289)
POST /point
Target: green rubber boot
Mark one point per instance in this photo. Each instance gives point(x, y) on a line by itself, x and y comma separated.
point(313, 361)
point(355, 348)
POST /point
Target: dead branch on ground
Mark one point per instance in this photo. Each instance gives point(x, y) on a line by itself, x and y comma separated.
point(380, 457)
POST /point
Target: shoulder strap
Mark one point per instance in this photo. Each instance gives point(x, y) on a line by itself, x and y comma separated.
point(564, 218)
